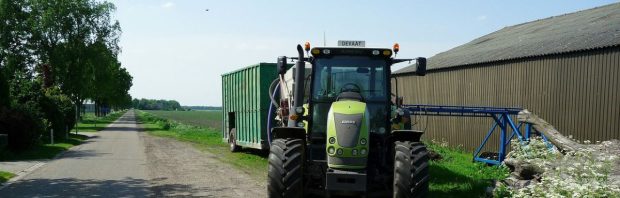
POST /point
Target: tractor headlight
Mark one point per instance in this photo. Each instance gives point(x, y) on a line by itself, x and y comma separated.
point(363, 141)
point(354, 152)
point(301, 124)
point(363, 151)
point(332, 140)
point(339, 151)
point(299, 110)
point(331, 150)
point(375, 52)
point(327, 51)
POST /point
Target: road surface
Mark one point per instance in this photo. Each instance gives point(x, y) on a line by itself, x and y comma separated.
point(122, 161)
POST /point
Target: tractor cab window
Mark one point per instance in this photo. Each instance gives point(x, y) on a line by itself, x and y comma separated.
point(337, 74)
point(345, 73)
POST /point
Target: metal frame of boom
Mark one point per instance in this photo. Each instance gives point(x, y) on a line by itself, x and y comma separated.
point(500, 115)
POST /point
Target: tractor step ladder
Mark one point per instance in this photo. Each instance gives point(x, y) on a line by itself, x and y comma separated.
point(500, 115)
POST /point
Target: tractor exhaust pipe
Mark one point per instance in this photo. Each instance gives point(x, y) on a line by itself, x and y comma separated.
point(298, 102)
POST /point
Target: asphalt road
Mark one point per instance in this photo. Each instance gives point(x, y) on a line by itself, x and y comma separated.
point(122, 161)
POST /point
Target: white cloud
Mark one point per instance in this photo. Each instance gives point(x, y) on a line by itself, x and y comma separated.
point(482, 17)
point(167, 5)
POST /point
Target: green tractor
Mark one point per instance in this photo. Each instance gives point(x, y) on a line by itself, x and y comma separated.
point(340, 129)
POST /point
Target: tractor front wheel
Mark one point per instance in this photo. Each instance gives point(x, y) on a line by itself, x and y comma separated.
point(286, 159)
point(410, 169)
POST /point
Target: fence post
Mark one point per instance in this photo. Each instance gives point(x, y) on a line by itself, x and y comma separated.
point(52, 135)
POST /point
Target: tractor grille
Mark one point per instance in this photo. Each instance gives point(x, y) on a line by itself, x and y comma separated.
point(348, 128)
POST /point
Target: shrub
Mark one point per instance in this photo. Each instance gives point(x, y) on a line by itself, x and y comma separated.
point(583, 173)
point(22, 126)
point(59, 111)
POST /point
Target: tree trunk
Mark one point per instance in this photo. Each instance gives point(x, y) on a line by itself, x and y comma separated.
point(563, 143)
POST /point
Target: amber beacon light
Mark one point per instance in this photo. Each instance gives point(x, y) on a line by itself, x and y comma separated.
point(396, 48)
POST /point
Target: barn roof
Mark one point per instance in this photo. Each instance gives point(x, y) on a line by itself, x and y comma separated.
point(583, 30)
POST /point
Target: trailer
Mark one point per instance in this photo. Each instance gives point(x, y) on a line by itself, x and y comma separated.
point(245, 106)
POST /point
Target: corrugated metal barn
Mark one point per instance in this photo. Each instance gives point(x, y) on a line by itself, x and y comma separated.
point(566, 69)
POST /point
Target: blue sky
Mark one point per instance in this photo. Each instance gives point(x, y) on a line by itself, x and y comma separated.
point(177, 50)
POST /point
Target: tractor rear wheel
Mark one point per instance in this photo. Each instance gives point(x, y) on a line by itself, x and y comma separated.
point(286, 159)
point(410, 169)
point(232, 140)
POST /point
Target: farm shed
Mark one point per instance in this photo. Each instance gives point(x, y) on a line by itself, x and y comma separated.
point(565, 68)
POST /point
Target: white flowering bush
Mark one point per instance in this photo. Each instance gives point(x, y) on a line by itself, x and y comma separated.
point(534, 151)
point(583, 173)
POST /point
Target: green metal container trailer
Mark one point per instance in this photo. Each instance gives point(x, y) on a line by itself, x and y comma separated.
point(245, 105)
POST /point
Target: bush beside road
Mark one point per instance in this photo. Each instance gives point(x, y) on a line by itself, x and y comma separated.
point(45, 150)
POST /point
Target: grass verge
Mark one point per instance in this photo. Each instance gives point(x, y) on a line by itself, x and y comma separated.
point(91, 123)
point(251, 161)
point(5, 176)
point(49, 151)
point(453, 176)
point(43, 151)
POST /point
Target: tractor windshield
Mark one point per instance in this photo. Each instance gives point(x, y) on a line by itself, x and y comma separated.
point(333, 75)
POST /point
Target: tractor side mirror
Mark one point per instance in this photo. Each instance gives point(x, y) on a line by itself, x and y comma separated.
point(421, 66)
point(281, 65)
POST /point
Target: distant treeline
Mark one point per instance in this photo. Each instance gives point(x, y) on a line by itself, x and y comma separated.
point(210, 108)
point(151, 104)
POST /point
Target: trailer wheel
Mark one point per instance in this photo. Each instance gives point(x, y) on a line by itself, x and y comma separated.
point(286, 168)
point(410, 169)
point(232, 140)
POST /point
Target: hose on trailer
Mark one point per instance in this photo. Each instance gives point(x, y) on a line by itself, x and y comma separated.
point(272, 95)
point(272, 87)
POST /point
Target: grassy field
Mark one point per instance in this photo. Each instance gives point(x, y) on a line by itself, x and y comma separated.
point(91, 123)
point(453, 176)
point(203, 119)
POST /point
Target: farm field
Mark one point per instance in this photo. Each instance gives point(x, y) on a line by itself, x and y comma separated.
point(206, 119)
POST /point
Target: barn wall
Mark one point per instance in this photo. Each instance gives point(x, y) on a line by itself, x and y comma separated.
point(578, 93)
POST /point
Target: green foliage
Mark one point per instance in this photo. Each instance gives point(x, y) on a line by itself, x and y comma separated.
point(150, 104)
point(5, 176)
point(22, 125)
point(59, 111)
point(455, 175)
point(43, 151)
point(53, 56)
point(92, 123)
point(202, 108)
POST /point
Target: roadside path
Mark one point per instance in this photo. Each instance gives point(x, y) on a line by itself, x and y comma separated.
point(122, 161)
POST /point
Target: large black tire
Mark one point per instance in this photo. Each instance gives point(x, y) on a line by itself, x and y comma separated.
point(286, 158)
point(232, 140)
point(410, 169)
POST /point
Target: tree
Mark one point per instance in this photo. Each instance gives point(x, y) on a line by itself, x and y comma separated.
point(53, 56)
